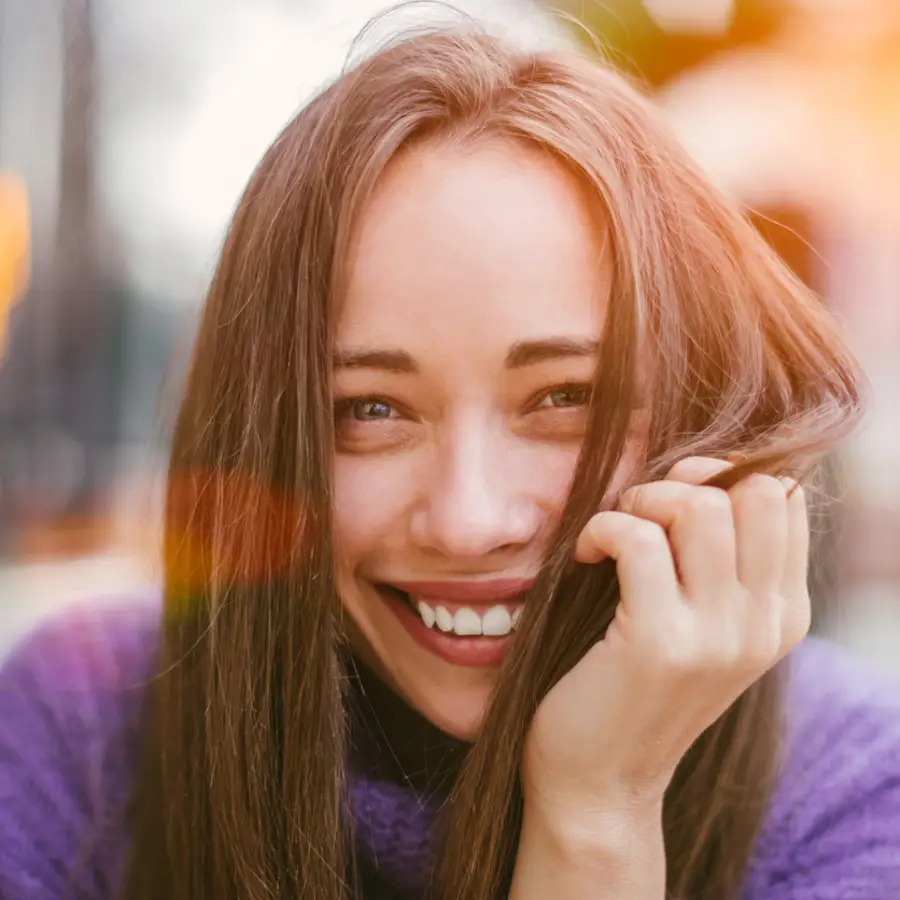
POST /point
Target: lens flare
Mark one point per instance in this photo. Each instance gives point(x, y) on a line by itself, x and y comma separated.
point(227, 528)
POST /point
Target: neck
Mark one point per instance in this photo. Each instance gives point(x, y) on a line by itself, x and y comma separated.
point(393, 742)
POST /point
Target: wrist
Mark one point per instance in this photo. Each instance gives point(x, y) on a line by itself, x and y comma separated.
point(623, 828)
point(590, 854)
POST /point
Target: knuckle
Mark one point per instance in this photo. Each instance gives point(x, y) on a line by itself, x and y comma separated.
point(631, 498)
point(683, 466)
point(695, 469)
point(776, 631)
point(646, 536)
point(600, 525)
point(766, 490)
point(595, 525)
point(797, 622)
point(689, 468)
point(706, 502)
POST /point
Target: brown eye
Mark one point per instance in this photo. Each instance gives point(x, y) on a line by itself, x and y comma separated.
point(372, 424)
point(566, 397)
point(367, 410)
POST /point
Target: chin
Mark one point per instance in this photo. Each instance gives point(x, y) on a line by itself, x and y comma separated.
point(453, 698)
point(457, 710)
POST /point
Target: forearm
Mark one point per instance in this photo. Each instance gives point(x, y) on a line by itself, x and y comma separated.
point(614, 857)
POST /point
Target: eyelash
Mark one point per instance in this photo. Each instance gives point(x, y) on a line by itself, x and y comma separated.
point(344, 406)
point(566, 386)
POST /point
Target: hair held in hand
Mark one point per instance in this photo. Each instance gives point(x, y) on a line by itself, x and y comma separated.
point(709, 340)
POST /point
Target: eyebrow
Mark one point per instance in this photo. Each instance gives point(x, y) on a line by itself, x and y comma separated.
point(397, 361)
point(529, 353)
point(520, 355)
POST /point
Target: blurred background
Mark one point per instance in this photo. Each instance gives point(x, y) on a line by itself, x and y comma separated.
point(128, 129)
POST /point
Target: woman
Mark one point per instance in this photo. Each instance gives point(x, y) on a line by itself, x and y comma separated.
point(484, 543)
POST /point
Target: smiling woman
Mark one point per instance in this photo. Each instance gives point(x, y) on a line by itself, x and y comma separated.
point(491, 577)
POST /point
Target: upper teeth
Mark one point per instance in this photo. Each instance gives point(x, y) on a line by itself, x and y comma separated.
point(465, 622)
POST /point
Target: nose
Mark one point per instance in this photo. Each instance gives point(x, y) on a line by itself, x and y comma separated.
point(474, 503)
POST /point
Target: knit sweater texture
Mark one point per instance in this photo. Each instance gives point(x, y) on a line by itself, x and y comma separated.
point(68, 691)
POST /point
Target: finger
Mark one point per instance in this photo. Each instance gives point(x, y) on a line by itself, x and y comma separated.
point(760, 508)
point(697, 469)
point(794, 588)
point(700, 528)
point(796, 562)
point(644, 563)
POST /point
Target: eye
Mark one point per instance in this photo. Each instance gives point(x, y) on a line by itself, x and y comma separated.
point(565, 396)
point(366, 409)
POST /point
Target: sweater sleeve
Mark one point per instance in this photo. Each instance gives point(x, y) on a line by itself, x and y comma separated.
point(834, 826)
point(69, 703)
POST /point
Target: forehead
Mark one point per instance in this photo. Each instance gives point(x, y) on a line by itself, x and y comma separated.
point(493, 240)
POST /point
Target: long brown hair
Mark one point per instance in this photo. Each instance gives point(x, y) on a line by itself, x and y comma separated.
point(241, 791)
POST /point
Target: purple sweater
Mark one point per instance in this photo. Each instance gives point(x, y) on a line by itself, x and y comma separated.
point(833, 831)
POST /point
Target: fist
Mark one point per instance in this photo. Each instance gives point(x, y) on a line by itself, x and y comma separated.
point(713, 593)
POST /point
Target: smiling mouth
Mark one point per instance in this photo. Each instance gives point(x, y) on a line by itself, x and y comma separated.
point(459, 620)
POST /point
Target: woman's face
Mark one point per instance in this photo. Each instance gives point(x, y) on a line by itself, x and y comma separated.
point(465, 352)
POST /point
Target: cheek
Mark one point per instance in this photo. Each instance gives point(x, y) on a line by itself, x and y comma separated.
point(635, 456)
point(548, 472)
point(370, 499)
point(633, 460)
point(557, 465)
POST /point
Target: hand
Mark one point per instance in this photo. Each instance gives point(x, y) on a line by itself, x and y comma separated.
point(713, 593)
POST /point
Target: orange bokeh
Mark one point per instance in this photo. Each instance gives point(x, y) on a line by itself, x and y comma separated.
point(228, 527)
point(15, 233)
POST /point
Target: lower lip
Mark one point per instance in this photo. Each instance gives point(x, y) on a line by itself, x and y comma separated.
point(474, 652)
